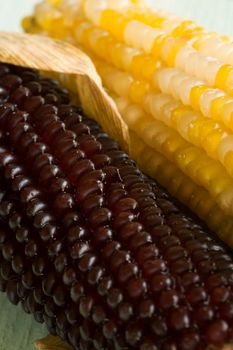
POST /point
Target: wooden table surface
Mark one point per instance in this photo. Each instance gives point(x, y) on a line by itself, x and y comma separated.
point(18, 330)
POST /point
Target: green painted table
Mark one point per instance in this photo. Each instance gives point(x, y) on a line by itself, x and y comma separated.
point(18, 330)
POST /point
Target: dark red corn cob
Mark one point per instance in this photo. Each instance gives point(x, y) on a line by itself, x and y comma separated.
point(91, 246)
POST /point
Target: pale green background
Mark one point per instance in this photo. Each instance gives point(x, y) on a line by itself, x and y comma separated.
point(17, 330)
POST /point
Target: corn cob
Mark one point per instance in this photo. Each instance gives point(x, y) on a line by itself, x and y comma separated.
point(91, 246)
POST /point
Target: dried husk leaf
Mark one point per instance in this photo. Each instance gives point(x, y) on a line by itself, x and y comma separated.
point(55, 56)
point(52, 343)
point(55, 343)
point(58, 58)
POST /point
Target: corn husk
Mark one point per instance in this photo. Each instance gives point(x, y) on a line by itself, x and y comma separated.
point(54, 343)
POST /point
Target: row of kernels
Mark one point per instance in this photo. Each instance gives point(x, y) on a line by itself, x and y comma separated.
point(169, 22)
point(174, 51)
point(201, 66)
point(106, 47)
point(214, 46)
point(206, 42)
point(212, 103)
point(179, 184)
point(202, 132)
point(176, 83)
point(94, 10)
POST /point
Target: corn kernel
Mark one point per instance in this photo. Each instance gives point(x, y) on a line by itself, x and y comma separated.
point(113, 22)
point(138, 89)
point(223, 75)
point(195, 96)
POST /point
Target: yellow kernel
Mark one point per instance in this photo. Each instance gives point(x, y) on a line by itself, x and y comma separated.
point(195, 165)
point(226, 38)
point(184, 157)
point(197, 42)
point(186, 190)
point(195, 200)
point(179, 30)
point(217, 186)
point(194, 131)
point(171, 146)
point(158, 43)
point(137, 91)
point(215, 219)
point(152, 20)
point(223, 75)
point(54, 2)
point(205, 205)
point(211, 143)
point(195, 96)
point(57, 30)
point(27, 23)
point(175, 183)
point(86, 37)
point(228, 162)
point(143, 66)
point(205, 174)
point(116, 55)
point(113, 22)
point(137, 65)
point(105, 43)
point(177, 113)
point(175, 46)
point(217, 106)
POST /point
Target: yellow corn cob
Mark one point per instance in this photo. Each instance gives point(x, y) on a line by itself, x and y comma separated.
point(175, 99)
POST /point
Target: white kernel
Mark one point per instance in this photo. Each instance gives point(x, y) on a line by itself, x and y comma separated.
point(140, 35)
point(227, 113)
point(186, 88)
point(80, 29)
point(121, 83)
point(185, 122)
point(183, 56)
point(154, 103)
point(176, 82)
point(93, 9)
point(207, 98)
point(129, 54)
point(132, 115)
point(225, 146)
point(162, 78)
point(167, 110)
